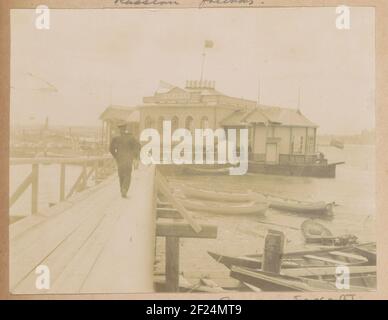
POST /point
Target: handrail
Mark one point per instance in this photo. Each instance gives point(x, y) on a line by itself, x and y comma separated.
point(72, 160)
point(96, 163)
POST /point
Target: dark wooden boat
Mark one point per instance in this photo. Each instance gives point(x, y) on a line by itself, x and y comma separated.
point(361, 254)
point(359, 276)
point(277, 282)
point(314, 232)
point(280, 282)
point(319, 170)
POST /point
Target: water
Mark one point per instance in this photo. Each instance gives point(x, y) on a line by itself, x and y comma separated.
point(48, 186)
point(353, 190)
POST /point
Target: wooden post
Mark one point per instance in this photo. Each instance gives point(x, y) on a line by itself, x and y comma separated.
point(172, 264)
point(34, 188)
point(95, 164)
point(273, 251)
point(62, 182)
point(84, 177)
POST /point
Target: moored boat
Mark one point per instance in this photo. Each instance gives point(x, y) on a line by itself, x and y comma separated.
point(314, 232)
point(251, 208)
point(297, 206)
point(275, 202)
point(267, 281)
point(211, 195)
point(360, 276)
point(352, 255)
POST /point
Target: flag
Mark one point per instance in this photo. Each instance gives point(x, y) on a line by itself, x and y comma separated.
point(209, 44)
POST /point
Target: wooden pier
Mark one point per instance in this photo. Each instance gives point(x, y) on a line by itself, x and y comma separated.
point(94, 241)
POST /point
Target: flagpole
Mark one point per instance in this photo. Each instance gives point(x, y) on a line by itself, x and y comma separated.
point(203, 62)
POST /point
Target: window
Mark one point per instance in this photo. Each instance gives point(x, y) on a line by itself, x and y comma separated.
point(301, 145)
point(297, 144)
point(204, 123)
point(174, 124)
point(310, 145)
point(189, 123)
point(149, 122)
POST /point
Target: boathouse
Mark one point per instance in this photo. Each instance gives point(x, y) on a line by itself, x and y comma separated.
point(276, 135)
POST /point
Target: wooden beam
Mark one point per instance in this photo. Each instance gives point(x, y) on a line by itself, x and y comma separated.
point(95, 166)
point(34, 188)
point(75, 185)
point(168, 213)
point(163, 204)
point(88, 175)
point(163, 187)
point(184, 230)
point(20, 190)
point(62, 182)
point(75, 160)
point(172, 264)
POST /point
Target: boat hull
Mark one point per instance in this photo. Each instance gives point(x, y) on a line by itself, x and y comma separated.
point(252, 209)
point(313, 208)
point(278, 283)
point(219, 196)
point(282, 282)
point(304, 170)
point(275, 203)
point(296, 259)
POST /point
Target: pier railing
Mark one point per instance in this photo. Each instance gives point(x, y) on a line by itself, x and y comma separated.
point(97, 167)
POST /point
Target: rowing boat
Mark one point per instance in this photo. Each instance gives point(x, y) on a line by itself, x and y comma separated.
point(315, 232)
point(275, 202)
point(360, 276)
point(198, 193)
point(250, 208)
point(361, 254)
point(268, 281)
point(297, 206)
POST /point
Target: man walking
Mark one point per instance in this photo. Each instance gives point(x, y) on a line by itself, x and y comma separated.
point(125, 149)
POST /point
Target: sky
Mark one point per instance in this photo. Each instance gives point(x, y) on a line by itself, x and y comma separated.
point(89, 59)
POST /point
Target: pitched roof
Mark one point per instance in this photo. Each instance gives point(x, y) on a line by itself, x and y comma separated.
point(287, 117)
point(116, 113)
point(235, 119)
point(266, 115)
point(244, 117)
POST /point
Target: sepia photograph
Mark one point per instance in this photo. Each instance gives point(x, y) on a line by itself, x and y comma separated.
point(228, 150)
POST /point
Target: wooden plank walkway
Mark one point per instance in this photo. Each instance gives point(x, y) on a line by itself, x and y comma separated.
point(95, 242)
